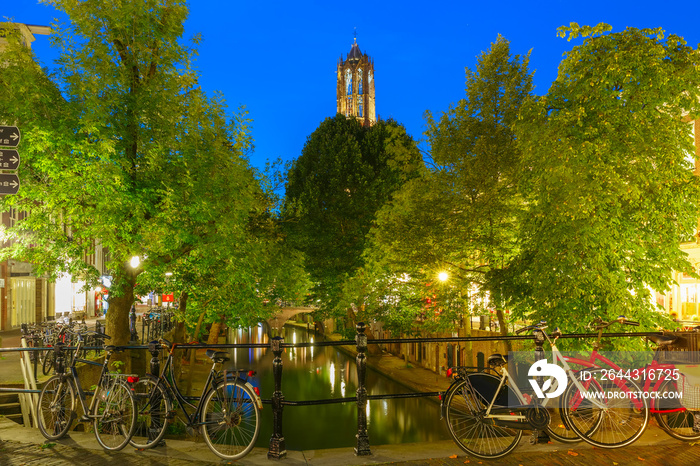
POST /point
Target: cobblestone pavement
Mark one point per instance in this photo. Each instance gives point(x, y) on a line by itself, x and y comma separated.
point(53, 454)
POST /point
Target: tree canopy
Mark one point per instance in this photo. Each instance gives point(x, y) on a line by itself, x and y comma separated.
point(461, 215)
point(344, 174)
point(609, 178)
point(121, 146)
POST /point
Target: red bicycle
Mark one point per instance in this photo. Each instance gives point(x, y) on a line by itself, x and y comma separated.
point(673, 400)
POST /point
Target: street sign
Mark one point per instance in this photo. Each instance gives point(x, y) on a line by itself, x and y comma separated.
point(9, 136)
point(9, 159)
point(9, 183)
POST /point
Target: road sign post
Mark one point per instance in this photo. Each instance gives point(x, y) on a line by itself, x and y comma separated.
point(9, 159)
point(9, 136)
point(9, 183)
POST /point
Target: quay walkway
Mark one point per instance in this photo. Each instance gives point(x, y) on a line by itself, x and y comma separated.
point(26, 446)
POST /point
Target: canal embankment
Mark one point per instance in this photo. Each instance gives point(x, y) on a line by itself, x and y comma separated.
point(413, 377)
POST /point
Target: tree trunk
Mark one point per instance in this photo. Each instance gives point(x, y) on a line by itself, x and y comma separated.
point(193, 354)
point(503, 327)
point(179, 335)
point(117, 319)
point(214, 333)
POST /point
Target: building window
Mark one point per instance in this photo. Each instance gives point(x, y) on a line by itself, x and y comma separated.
point(359, 81)
point(359, 110)
point(348, 82)
point(350, 108)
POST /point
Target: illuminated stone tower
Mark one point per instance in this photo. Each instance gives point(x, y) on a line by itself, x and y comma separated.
point(355, 91)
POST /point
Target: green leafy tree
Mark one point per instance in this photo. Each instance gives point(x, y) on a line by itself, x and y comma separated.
point(120, 146)
point(344, 174)
point(610, 191)
point(461, 215)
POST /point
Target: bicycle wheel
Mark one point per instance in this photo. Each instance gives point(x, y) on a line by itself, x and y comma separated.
point(56, 407)
point(231, 420)
point(672, 417)
point(621, 416)
point(152, 408)
point(558, 428)
point(466, 404)
point(49, 362)
point(114, 415)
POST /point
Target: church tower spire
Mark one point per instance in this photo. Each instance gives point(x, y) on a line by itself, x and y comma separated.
point(355, 88)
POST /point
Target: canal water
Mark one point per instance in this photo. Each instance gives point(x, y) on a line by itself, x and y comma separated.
point(317, 373)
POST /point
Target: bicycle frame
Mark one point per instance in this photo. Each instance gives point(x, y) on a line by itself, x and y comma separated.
point(620, 382)
point(558, 358)
point(168, 381)
point(80, 392)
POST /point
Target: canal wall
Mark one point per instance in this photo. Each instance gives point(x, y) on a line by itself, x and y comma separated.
point(400, 362)
point(436, 357)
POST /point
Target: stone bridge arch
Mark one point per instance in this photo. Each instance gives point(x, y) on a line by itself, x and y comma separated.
point(276, 323)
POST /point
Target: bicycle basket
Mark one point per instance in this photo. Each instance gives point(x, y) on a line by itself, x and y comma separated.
point(691, 388)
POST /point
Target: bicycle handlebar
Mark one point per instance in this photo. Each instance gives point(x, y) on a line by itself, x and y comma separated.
point(600, 324)
point(541, 325)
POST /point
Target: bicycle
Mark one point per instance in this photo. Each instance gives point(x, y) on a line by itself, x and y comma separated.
point(112, 409)
point(658, 378)
point(678, 418)
point(227, 413)
point(486, 414)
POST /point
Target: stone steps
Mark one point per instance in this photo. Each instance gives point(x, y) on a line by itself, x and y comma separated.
point(10, 407)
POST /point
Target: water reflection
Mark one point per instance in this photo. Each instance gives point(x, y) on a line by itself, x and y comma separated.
point(316, 373)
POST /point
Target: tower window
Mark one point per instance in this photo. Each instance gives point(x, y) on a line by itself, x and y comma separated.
point(359, 110)
point(359, 81)
point(351, 110)
point(348, 81)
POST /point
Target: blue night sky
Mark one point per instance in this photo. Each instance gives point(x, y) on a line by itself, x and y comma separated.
point(279, 58)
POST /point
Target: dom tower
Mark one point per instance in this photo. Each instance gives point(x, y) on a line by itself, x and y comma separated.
point(356, 86)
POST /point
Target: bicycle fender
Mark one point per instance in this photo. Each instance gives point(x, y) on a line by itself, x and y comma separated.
point(258, 400)
point(240, 381)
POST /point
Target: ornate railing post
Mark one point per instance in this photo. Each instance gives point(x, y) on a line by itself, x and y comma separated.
point(278, 449)
point(362, 448)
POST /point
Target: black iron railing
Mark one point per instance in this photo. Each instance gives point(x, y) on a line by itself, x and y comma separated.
point(277, 448)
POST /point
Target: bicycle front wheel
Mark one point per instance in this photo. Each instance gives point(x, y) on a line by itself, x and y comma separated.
point(56, 407)
point(49, 362)
point(466, 404)
point(114, 415)
point(231, 420)
point(152, 408)
point(605, 413)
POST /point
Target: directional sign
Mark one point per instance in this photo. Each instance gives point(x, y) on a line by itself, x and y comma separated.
point(9, 136)
point(9, 159)
point(9, 183)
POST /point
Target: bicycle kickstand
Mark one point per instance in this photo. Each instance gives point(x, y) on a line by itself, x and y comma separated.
point(539, 437)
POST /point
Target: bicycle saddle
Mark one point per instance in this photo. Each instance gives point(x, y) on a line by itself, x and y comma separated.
point(217, 356)
point(498, 359)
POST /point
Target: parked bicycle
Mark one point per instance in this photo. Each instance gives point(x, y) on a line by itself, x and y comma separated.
point(486, 413)
point(659, 380)
point(227, 414)
point(112, 410)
